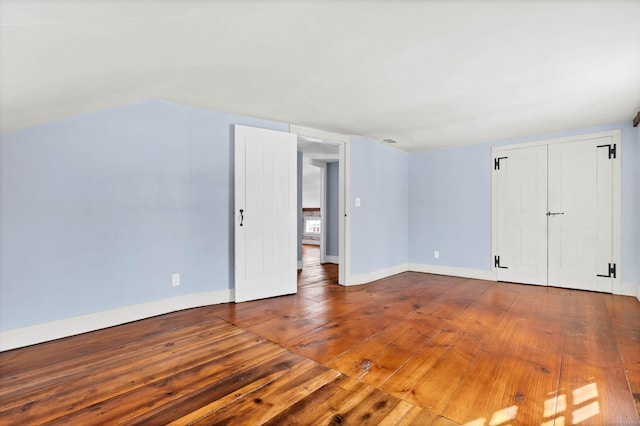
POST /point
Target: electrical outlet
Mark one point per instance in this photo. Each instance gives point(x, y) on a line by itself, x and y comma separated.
point(436, 254)
point(357, 201)
point(175, 280)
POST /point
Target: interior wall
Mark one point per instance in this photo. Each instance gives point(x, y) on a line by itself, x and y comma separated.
point(99, 210)
point(300, 224)
point(332, 216)
point(450, 207)
point(450, 203)
point(311, 186)
point(379, 227)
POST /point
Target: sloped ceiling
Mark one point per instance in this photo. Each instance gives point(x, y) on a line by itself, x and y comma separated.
point(429, 74)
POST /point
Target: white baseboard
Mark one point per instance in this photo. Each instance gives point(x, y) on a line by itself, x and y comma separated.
point(47, 331)
point(332, 259)
point(299, 264)
point(625, 289)
point(418, 267)
point(621, 289)
point(312, 242)
point(453, 271)
point(357, 279)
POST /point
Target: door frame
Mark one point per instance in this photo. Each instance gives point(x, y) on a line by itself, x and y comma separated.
point(616, 137)
point(342, 141)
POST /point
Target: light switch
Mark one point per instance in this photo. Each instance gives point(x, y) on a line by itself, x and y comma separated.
point(357, 201)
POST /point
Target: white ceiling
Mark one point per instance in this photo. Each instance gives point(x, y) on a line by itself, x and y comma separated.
point(427, 73)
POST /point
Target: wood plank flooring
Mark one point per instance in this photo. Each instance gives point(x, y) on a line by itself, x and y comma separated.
point(412, 349)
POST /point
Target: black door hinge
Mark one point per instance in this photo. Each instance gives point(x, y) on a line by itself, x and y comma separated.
point(612, 150)
point(496, 263)
point(496, 162)
point(612, 271)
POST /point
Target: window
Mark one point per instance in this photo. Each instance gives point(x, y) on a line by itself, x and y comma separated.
point(312, 225)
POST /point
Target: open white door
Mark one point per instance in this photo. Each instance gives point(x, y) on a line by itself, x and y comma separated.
point(265, 213)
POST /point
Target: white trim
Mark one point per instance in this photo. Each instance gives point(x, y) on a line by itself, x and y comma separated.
point(299, 264)
point(344, 210)
point(319, 134)
point(47, 331)
point(615, 133)
point(323, 211)
point(312, 242)
point(342, 141)
point(616, 252)
point(494, 215)
point(317, 163)
point(377, 275)
point(625, 289)
point(332, 259)
point(453, 271)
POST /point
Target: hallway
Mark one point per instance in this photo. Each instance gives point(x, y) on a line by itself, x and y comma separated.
point(314, 273)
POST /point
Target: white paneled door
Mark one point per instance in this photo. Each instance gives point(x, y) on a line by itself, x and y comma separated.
point(520, 181)
point(581, 215)
point(556, 213)
point(265, 213)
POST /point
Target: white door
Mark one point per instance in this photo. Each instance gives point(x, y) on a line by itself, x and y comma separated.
point(581, 215)
point(520, 203)
point(556, 212)
point(265, 213)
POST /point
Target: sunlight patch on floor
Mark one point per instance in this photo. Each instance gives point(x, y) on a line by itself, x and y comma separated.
point(554, 407)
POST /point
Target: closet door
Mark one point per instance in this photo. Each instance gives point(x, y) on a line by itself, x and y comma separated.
point(581, 176)
point(520, 206)
point(556, 213)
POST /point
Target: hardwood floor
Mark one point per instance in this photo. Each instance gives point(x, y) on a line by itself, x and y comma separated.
point(410, 349)
point(313, 273)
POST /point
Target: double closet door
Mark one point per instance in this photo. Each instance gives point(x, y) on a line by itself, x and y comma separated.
point(556, 212)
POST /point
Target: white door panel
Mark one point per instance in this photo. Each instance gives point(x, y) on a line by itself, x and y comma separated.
point(579, 189)
point(520, 205)
point(581, 235)
point(265, 209)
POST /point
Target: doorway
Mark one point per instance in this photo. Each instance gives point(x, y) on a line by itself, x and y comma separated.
point(320, 254)
point(324, 255)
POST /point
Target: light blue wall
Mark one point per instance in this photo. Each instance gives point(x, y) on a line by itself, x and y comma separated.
point(331, 214)
point(379, 228)
point(450, 207)
point(99, 210)
point(300, 225)
point(450, 203)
